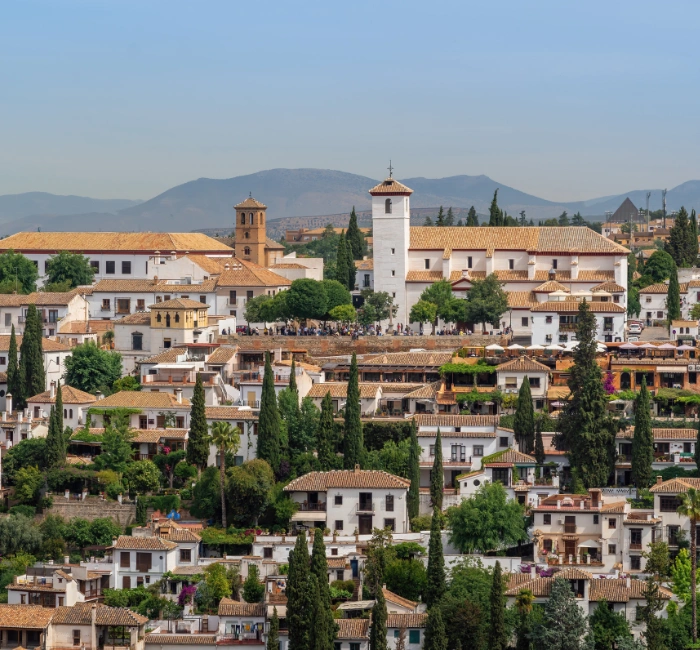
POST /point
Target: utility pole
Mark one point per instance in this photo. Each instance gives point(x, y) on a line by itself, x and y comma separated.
point(663, 206)
point(648, 197)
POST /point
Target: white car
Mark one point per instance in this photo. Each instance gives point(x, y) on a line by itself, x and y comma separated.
point(632, 339)
point(634, 329)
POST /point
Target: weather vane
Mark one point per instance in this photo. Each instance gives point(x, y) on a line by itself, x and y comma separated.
point(390, 168)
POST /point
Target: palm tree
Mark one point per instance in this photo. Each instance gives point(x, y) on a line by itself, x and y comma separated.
point(690, 507)
point(225, 438)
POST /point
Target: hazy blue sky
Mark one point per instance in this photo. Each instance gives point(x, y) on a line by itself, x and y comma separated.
point(567, 100)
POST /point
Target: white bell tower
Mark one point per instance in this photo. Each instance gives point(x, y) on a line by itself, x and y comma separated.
point(391, 234)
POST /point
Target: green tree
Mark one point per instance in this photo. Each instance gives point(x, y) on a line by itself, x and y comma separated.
point(206, 495)
point(325, 434)
point(143, 476)
point(355, 238)
point(306, 298)
point(440, 221)
point(116, 450)
point(659, 266)
point(90, 368)
point(253, 589)
point(643, 440)
point(337, 295)
point(343, 314)
point(249, 490)
point(450, 218)
point(269, 420)
point(564, 219)
point(141, 511)
point(697, 448)
point(55, 441)
point(14, 385)
point(198, 443)
point(226, 439)
point(407, 578)
point(524, 420)
point(71, 268)
point(273, 635)
point(608, 627)
point(413, 498)
point(435, 635)
point(353, 443)
point(299, 605)
point(342, 261)
point(28, 482)
point(487, 301)
point(435, 589)
point(428, 221)
point(495, 214)
point(31, 358)
point(128, 384)
point(523, 604)
point(673, 299)
point(486, 521)
point(680, 245)
point(26, 453)
point(377, 306)
point(19, 535)
point(352, 269)
point(539, 445)
point(587, 431)
point(325, 628)
point(680, 576)
point(216, 580)
point(380, 553)
point(437, 479)
point(424, 312)
point(498, 636)
point(563, 624)
point(655, 633)
point(690, 507)
point(17, 273)
point(658, 560)
point(472, 218)
point(439, 294)
point(377, 638)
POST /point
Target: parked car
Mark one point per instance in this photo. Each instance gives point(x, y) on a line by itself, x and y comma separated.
point(634, 329)
point(632, 339)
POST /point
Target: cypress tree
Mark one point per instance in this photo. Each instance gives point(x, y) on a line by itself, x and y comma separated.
point(293, 379)
point(440, 221)
point(539, 445)
point(673, 300)
point(498, 636)
point(693, 245)
point(353, 443)
point(299, 603)
point(494, 211)
point(355, 237)
point(325, 434)
point(198, 443)
point(450, 218)
point(352, 269)
point(341, 261)
point(437, 480)
point(428, 221)
point(587, 431)
point(680, 245)
point(472, 217)
point(31, 358)
point(435, 588)
point(697, 447)
point(377, 635)
point(55, 449)
point(141, 511)
point(59, 406)
point(413, 498)
point(643, 440)
point(435, 635)
point(269, 420)
point(14, 386)
point(273, 636)
point(325, 628)
point(524, 420)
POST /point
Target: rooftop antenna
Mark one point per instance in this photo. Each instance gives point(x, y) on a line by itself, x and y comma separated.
point(648, 197)
point(391, 169)
point(663, 206)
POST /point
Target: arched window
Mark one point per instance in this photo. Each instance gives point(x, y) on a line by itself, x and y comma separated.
point(70, 413)
point(387, 206)
point(177, 318)
point(167, 320)
point(242, 218)
point(261, 218)
point(246, 235)
point(158, 318)
point(251, 218)
point(65, 414)
point(246, 251)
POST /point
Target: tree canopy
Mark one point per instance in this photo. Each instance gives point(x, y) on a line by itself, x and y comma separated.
point(17, 273)
point(90, 368)
point(72, 269)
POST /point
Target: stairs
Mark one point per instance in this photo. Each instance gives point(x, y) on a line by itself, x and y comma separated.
point(357, 592)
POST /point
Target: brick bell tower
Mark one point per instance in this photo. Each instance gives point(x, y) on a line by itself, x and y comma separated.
point(251, 236)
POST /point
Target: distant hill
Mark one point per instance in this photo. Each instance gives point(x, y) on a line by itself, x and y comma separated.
point(299, 198)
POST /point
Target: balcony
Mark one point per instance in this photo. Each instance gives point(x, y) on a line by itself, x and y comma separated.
point(569, 529)
point(365, 507)
point(567, 327)
point(253, 403)
point(635, 546)
point(320, 506)
point(105, 308)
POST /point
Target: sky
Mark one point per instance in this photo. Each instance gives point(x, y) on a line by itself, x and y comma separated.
point(564, 100)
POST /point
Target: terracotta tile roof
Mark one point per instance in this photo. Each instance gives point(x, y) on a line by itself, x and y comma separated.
point(522, 364)
point(365, 265)
point(596, 306)
point(143, 543)
point(137, 318)
point(525, 299)
point(427, 391)
point(346, 478)
point(177, 534)
point(139, 399)
point(448, 420)
point(616, 507)
point(229, 413)
point(550, 286)
point(420, 359)
point(299, 364)
point(337, 562)
point(27, 617)
point(409, 621)
point(353, 628)
point(532, 239)
point(390, 186)
point(543, 586)
point(179, 303)
point(389, 387)
point(676, 485)
point(180, 639)
point(610, 287)
point(222, 354)
point(81, 614)
point(39, 299)
point(684, 323)
point(212, 265)
point(242, 273)
point(228, 607)
point(655, 288)
point(390, 596)
point(48, 345)
point(250, 202)
point(511, 456)
point(81, 326)
point(69, 394)
point(147, 242)
point(663, 434)
point(130, 286)
point(167, 356)
point(288, 265)
point(339, 390)
point(188, 570)
point(616, 590)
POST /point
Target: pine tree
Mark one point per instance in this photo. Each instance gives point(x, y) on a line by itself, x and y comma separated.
point(273, 635)
point(14, 386)
point(697, 447)
point(524, 419)
point(564, 624)
point(55, 447)
point(435, 588)
point(435, 635)
point(342, 263)
point(325, 434)
point(141, 511)
point(437, 480)
point(198, 443)
point(440, 221)
point(673, 299)
point(355, 237)
point(472, 218)
point(377, 635)
point(587, 431)
point(413, 498)
point(539, 445)
point(680, 244)
point(498, 636)
point(353, 443)
point(31, 358)
point(459, 223)
point(494, 211)
point(693, 245)
point(450, 218)
point(643, 440)
point(655, 633)
point(269, 420)
point(299, 603)
point(428, 221)
point(325, 628)
point(352, 269)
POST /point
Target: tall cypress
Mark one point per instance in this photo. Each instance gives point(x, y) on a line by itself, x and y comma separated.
point(14, 386)
point(325, 434)
point(680, 245)
point(494, 211)
point(198, 442)
point(435, 635)
point(643, 440)
point(55, 447)
point(377, 635)
point(293, 379)
point(524, 420)
point(59, 406)
point(673, 300)
point(413, 498)
point(440, 221)
point(450, 218)
point(437, 480)
point(341, 261)
point(273, 635)
point(498, 636)
point(355, 237)
point(352, 269)
point(269, 420)
point(299, 605)
point(435, 588)
point(353, 443)
point(693, 244)
point(472, 217)
point(31, 358)
point(325, 628)
point(539, 445)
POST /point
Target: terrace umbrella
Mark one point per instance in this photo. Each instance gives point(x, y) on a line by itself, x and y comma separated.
point(647, 346)
point(685, 348)
point(628, 346)
point(515, 346)
point(666, 346)
point(494, 347)
point(555, 347)
point(534, 347)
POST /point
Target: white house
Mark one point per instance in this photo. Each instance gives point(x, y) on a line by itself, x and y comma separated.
point(75, 404)
point(413, 624)
point(353, 634)
point(243, 417)
point(684, 330)
point(370, 396)
point(56, 310)
point(146, 410)
point(554, 322)
point(510, 376)
point(242, 622)
point(250, 383)
point(141, 560)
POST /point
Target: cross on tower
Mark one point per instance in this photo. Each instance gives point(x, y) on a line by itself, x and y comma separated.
point(390, 168)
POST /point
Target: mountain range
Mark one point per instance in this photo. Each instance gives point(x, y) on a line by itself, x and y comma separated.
point(294, 197)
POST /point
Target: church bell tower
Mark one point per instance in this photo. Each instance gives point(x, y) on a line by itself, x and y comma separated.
point(251, 235)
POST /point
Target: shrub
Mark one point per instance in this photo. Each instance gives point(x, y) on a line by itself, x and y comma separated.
point(343, 585)
point(27, 511)
point(421, 522)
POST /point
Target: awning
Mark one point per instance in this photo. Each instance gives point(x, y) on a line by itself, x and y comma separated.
point(589, 543)
point(672, 370)
point(309, 515)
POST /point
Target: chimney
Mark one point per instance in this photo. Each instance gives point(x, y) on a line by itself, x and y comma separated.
point(178, 395)
point(8, 403)
point(19, 416)
point(93, 626)
point(4, 416)
point(659, 480)
point(594, 497)
point(227, 266)
point(98, 395)
point(357, 469)
point(66, 559)
point(52, 390)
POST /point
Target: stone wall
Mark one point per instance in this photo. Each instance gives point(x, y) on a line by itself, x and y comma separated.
point(93, 508)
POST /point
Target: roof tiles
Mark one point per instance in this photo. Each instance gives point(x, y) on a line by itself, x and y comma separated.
point(346, 478)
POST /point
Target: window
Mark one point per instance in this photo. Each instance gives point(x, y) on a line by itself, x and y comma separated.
point(547, 544)
point(338, 526)
point(414, 636)
point(511, 382)
point(390, 503)
point(232, 297)
point(390, 524)
point(547, 520)
point(612, 522)
point(478, 450)
point(76, 637)
point(250, 218)
point(393, 251)
point(246, 250)
point(243, 219)
point(334, 551)
point(607, 323)
point(139, 581)
point(186, 554)
point(555, 264)
point(612, 549)
point(387, 206)
point(125, 559)
point(143, 562)
point(203, 299)
point(365, 282)
point(635, 562)
point(95, 266)
point(137, 341)
point(503, 441)
point(110, 267)
point(659, 314)
point(432, 450)
point(636, 538)
point(672, 534)
point(249, 294)
point(338, 500)
point(354, 646)
point(534, 382)
point(596, 519)
point(105, 304)
point(393, 275)
point(524, 321)
point(469, 262)
point(141, 304)
point(267, 553)
point(53, 315)
point(123, 306)
point(126, 268)
point(143, 422)
point(668, 504)
point(3, 361)
point(8, 320)
point(427, 265)
point(511, 264)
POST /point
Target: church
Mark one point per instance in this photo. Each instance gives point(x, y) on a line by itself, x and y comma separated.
point(251, 242)
point(538, 266)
